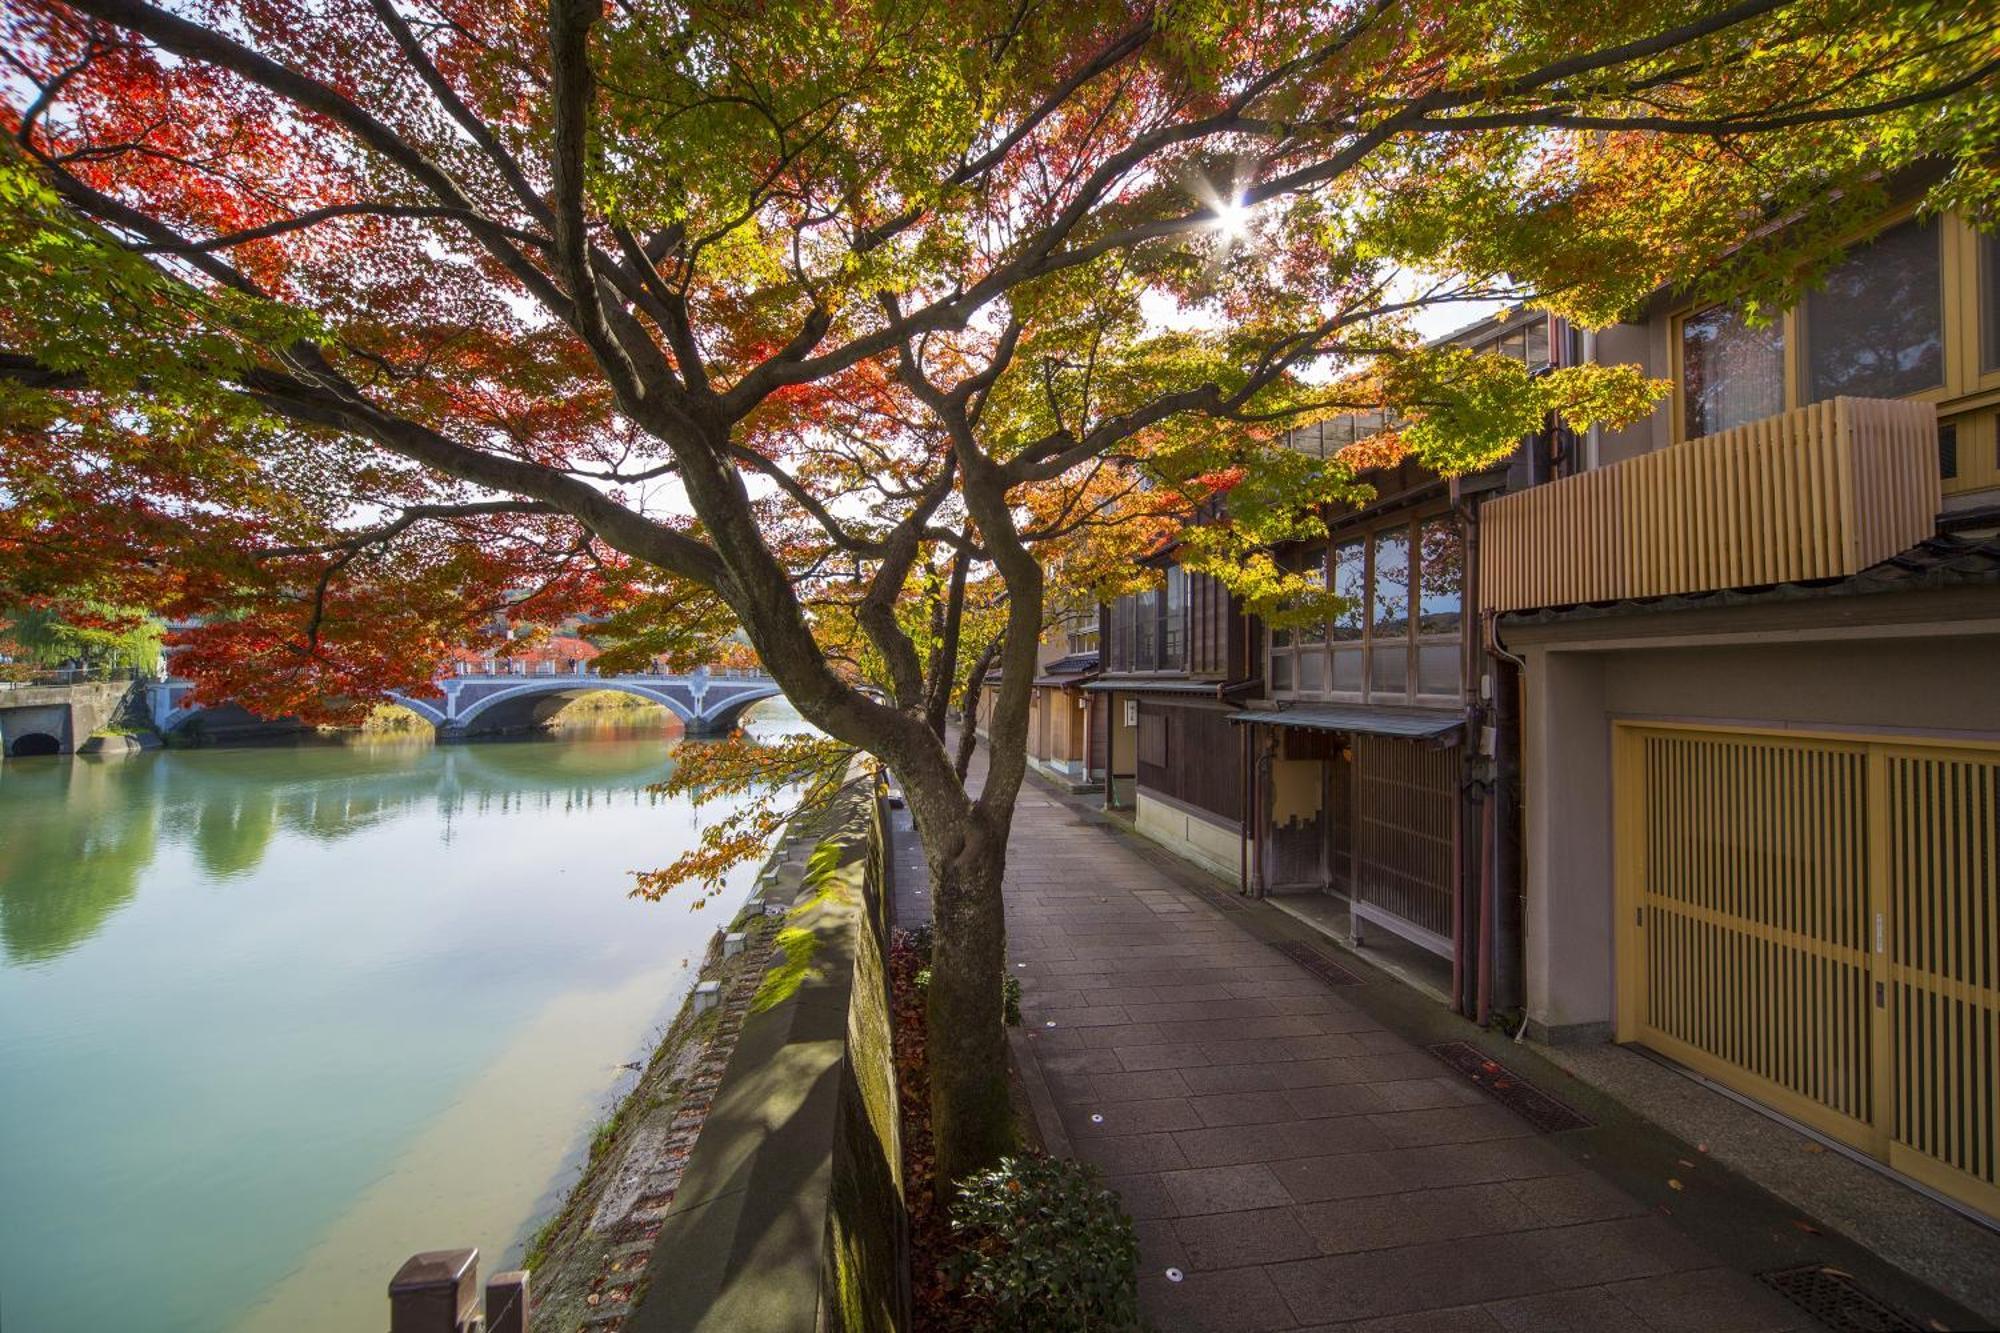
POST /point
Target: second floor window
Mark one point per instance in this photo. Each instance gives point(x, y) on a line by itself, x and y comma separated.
point(1149, 629)
point(1989, 303)
point(1173, 623)
point(1874, 328)
point(1398, 635)
point(1731, 373)
point(1147, 657)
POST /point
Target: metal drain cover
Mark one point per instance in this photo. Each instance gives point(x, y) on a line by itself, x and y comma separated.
point(1836, 1300)
point(1228, 902)
point(1503, 1085)
point(1317, 963)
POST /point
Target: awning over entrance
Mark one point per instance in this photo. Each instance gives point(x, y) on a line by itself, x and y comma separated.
point(1408, 723)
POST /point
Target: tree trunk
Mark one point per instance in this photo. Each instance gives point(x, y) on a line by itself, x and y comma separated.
point(971, 1112)
point(972, 1115)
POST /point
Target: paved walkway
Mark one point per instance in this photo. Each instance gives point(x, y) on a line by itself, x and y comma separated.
point(1293, 1163)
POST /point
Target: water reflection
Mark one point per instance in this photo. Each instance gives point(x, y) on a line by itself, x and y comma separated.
point(273, 1019)
point(78, 835)
point(72, 850)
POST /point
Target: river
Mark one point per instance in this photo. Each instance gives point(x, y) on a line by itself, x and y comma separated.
point(273, 1019)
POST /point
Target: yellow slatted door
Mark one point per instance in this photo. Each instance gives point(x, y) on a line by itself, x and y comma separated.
point(1745, 890)
point(1816, 923)
point(1941, 968)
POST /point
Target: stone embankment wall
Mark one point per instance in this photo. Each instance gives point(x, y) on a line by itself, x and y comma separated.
point(753, 1178)
point(70, 713)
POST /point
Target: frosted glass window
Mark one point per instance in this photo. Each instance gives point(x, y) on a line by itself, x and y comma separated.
point(1281, 671)
point(1389, 668)
point(1437, 668)
point(1312, 671)
point(1731, 373)
point(1347, 671)
point(1876, 329)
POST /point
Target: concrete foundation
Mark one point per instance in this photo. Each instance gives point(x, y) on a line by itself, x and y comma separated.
point(1209, 843)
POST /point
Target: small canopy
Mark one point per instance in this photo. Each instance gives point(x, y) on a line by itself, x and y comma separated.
point(1072, 665)
point(1410, 723)
point(1154, 685)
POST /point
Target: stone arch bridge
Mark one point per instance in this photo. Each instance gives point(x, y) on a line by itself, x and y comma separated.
point(708, 703)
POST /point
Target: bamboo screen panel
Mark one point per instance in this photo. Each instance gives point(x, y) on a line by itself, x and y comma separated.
point(1817, 923)
point(1406, 803)
point(1943, 967)
point(1754, 914)
point(1819, 492)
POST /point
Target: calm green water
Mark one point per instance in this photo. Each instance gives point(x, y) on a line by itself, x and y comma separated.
point(273, 1019)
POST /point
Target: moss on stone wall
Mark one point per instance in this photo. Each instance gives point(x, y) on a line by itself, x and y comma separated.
point(866, 1263)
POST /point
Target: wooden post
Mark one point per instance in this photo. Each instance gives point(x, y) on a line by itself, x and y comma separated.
point(435, 1292)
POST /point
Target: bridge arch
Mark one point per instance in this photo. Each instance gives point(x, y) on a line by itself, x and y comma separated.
point(430, 713)
point(727, 713)
point(567, 690)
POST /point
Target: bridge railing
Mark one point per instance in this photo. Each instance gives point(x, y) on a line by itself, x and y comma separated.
point(20, 675)
point(503, 668)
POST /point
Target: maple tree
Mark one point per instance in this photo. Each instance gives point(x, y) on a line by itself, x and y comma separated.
point(346, 325)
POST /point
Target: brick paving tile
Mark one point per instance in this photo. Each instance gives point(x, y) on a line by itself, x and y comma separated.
point(1232, 1240)
point(1233, 1300)
point(1579, 1310)
point(1301, 1167)
point(1115, 1119)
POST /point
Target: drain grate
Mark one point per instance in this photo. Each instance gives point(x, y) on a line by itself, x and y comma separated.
point(1836, 1300)
point(1503, 1085)
point(1228, 902)
point(1317, 963)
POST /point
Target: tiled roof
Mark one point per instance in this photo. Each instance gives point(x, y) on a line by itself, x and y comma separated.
point(1072, 665)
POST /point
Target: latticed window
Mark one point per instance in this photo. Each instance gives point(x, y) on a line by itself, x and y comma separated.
point(1398, 633)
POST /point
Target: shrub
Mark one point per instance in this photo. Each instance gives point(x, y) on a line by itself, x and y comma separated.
point(1045, 1246)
